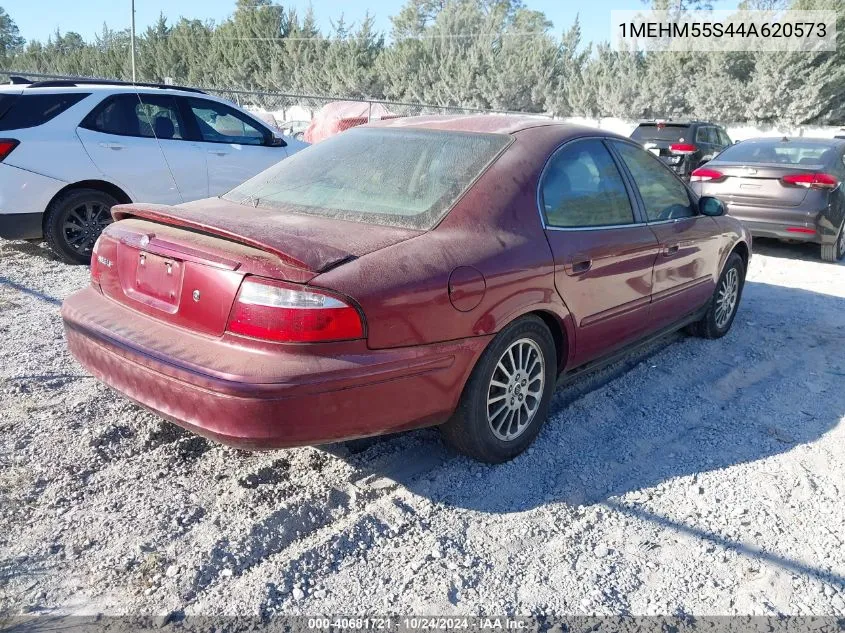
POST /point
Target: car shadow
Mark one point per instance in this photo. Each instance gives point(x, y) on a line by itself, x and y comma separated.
point(799, 250)
point(36, 248)
point(678, 407)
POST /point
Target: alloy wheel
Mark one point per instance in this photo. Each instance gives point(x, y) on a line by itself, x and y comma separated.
point(83, 225)
point(515, 389)
point(726, 298)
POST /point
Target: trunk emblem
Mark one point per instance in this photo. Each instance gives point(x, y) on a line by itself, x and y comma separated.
point(750, 170)
point(196, 295)
point(145, 239)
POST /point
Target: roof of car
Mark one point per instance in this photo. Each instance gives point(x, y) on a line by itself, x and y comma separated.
point(59, 87)
point(490, 123)
point(676, 122)
point(809, 140)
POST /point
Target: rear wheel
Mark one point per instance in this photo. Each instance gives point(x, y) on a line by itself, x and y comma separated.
point(836, 251)
point(74, 221)
point(723, 305)
point(506, 399)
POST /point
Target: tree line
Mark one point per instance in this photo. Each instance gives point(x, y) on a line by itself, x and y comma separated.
point(495, 54)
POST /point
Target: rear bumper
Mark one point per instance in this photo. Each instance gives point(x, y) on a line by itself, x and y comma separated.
point(24, 195)
point(788, 224)
point(778, 231)
point(21, 226)
point(299, 395)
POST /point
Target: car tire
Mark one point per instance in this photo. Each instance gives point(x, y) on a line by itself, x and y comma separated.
point(74, 221)
point(480, 427)
point(723, 305)
point(836, 251)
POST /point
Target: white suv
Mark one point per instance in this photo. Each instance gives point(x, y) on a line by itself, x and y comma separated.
point(69, 150)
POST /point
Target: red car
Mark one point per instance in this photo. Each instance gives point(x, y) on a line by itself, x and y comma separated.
point(431, 271)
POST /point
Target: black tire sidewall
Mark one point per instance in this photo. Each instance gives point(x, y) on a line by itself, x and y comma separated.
point(480, 441)
point(55, 217)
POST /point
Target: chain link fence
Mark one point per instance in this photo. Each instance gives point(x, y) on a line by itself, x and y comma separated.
point(292, 112)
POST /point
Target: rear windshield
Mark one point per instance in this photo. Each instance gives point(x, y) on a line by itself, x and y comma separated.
point(396, 177)
point(31, 110)
point(653, 132)
point(779, 152)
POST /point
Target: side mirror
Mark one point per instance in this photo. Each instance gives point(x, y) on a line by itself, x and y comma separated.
point(276, 141)
point(708, 205)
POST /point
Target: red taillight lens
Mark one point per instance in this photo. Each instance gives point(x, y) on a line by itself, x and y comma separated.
point(811, 181)
point(702, 174)
point(683, 148)
point(6, 147)
point(276, 311)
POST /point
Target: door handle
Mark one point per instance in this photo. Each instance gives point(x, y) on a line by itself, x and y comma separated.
point(112, 145)
point(218, 152)
point(671, 250)
point(579, 267)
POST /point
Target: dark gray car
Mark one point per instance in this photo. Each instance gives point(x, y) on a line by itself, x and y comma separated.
point(784, 188)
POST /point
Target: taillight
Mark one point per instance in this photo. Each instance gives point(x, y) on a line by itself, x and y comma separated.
point(703, 174)
point(683, 148)
point(97, 263)
point(6, 147)
point(811, 181)
point(276, 311)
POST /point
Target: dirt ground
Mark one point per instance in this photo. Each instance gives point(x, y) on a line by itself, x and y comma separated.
point(695, 477)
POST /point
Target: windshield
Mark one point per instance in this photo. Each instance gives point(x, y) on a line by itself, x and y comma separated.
point(397, 177)
point(779, 152)
point(675, 133)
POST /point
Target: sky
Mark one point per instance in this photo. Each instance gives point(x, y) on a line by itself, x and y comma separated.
point(38, 19)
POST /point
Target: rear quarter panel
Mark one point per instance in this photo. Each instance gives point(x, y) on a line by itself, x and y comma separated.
point(53, 149)
point(494, 229)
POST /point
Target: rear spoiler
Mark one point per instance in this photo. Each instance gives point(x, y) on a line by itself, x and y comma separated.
point(298, 253)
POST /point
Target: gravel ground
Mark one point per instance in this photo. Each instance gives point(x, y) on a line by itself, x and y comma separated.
point(695, 477)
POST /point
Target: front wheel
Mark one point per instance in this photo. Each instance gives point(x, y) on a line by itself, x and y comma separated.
point(74, 221)
point(723, 305)
point(506, 399)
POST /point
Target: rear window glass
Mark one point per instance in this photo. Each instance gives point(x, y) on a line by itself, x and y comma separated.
point(397, 177)
point(667, 133)
point(779, 152)
point(31, 110)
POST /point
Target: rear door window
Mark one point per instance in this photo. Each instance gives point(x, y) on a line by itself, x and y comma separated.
point(583, 188)
point(151, 116)
point(31, 110)
point(664, 196)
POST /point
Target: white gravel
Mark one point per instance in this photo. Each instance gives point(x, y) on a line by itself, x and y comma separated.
point(696, 477)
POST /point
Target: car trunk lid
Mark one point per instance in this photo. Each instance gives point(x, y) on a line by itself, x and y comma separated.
point(304, 241)
point(184, 266)
point(757, 184)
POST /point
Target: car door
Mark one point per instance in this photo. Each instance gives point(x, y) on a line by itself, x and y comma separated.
point(603, 252)
point(684, 274)
point(237, 146)
point(139, 141)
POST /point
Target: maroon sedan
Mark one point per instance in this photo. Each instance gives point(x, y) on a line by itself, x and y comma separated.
point(432, 271)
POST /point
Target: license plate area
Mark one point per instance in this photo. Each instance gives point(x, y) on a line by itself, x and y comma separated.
point(157, 281)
